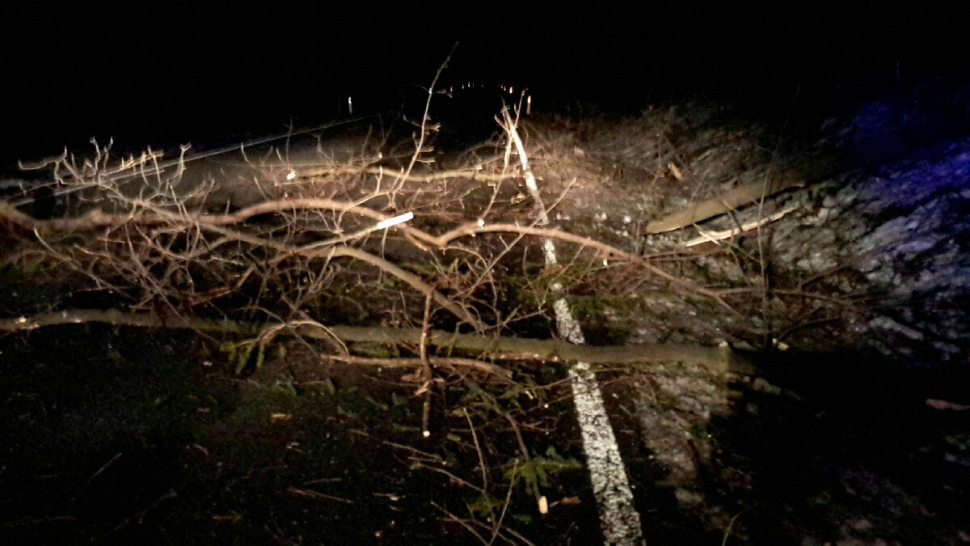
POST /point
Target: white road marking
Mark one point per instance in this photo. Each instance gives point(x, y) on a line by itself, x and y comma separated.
point(619, 520)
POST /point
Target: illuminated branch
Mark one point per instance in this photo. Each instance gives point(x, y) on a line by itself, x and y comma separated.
point(718, 359)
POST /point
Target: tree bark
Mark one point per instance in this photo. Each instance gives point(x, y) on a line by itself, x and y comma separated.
point(717, 359)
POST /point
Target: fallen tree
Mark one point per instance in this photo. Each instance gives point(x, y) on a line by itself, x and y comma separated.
point(719, 359)
point(175, 260)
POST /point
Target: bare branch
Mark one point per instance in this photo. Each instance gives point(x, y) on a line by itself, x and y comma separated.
point(717, 359)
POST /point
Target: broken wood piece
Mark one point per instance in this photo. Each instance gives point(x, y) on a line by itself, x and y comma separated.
point(716, 236)
point(724, 203)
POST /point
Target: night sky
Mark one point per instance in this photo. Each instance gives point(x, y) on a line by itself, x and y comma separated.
point(162, 74)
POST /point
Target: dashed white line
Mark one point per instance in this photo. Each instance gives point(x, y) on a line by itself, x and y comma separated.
point(619, 520)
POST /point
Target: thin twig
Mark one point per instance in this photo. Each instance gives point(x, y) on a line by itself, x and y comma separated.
point(95, 475)
point(505, 506)
point(478, 449)
point(727, 530)
point(428, 375)
point(463, 523)
point(424, 118)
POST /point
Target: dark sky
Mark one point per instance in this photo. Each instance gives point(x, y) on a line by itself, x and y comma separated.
point(169, 74)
